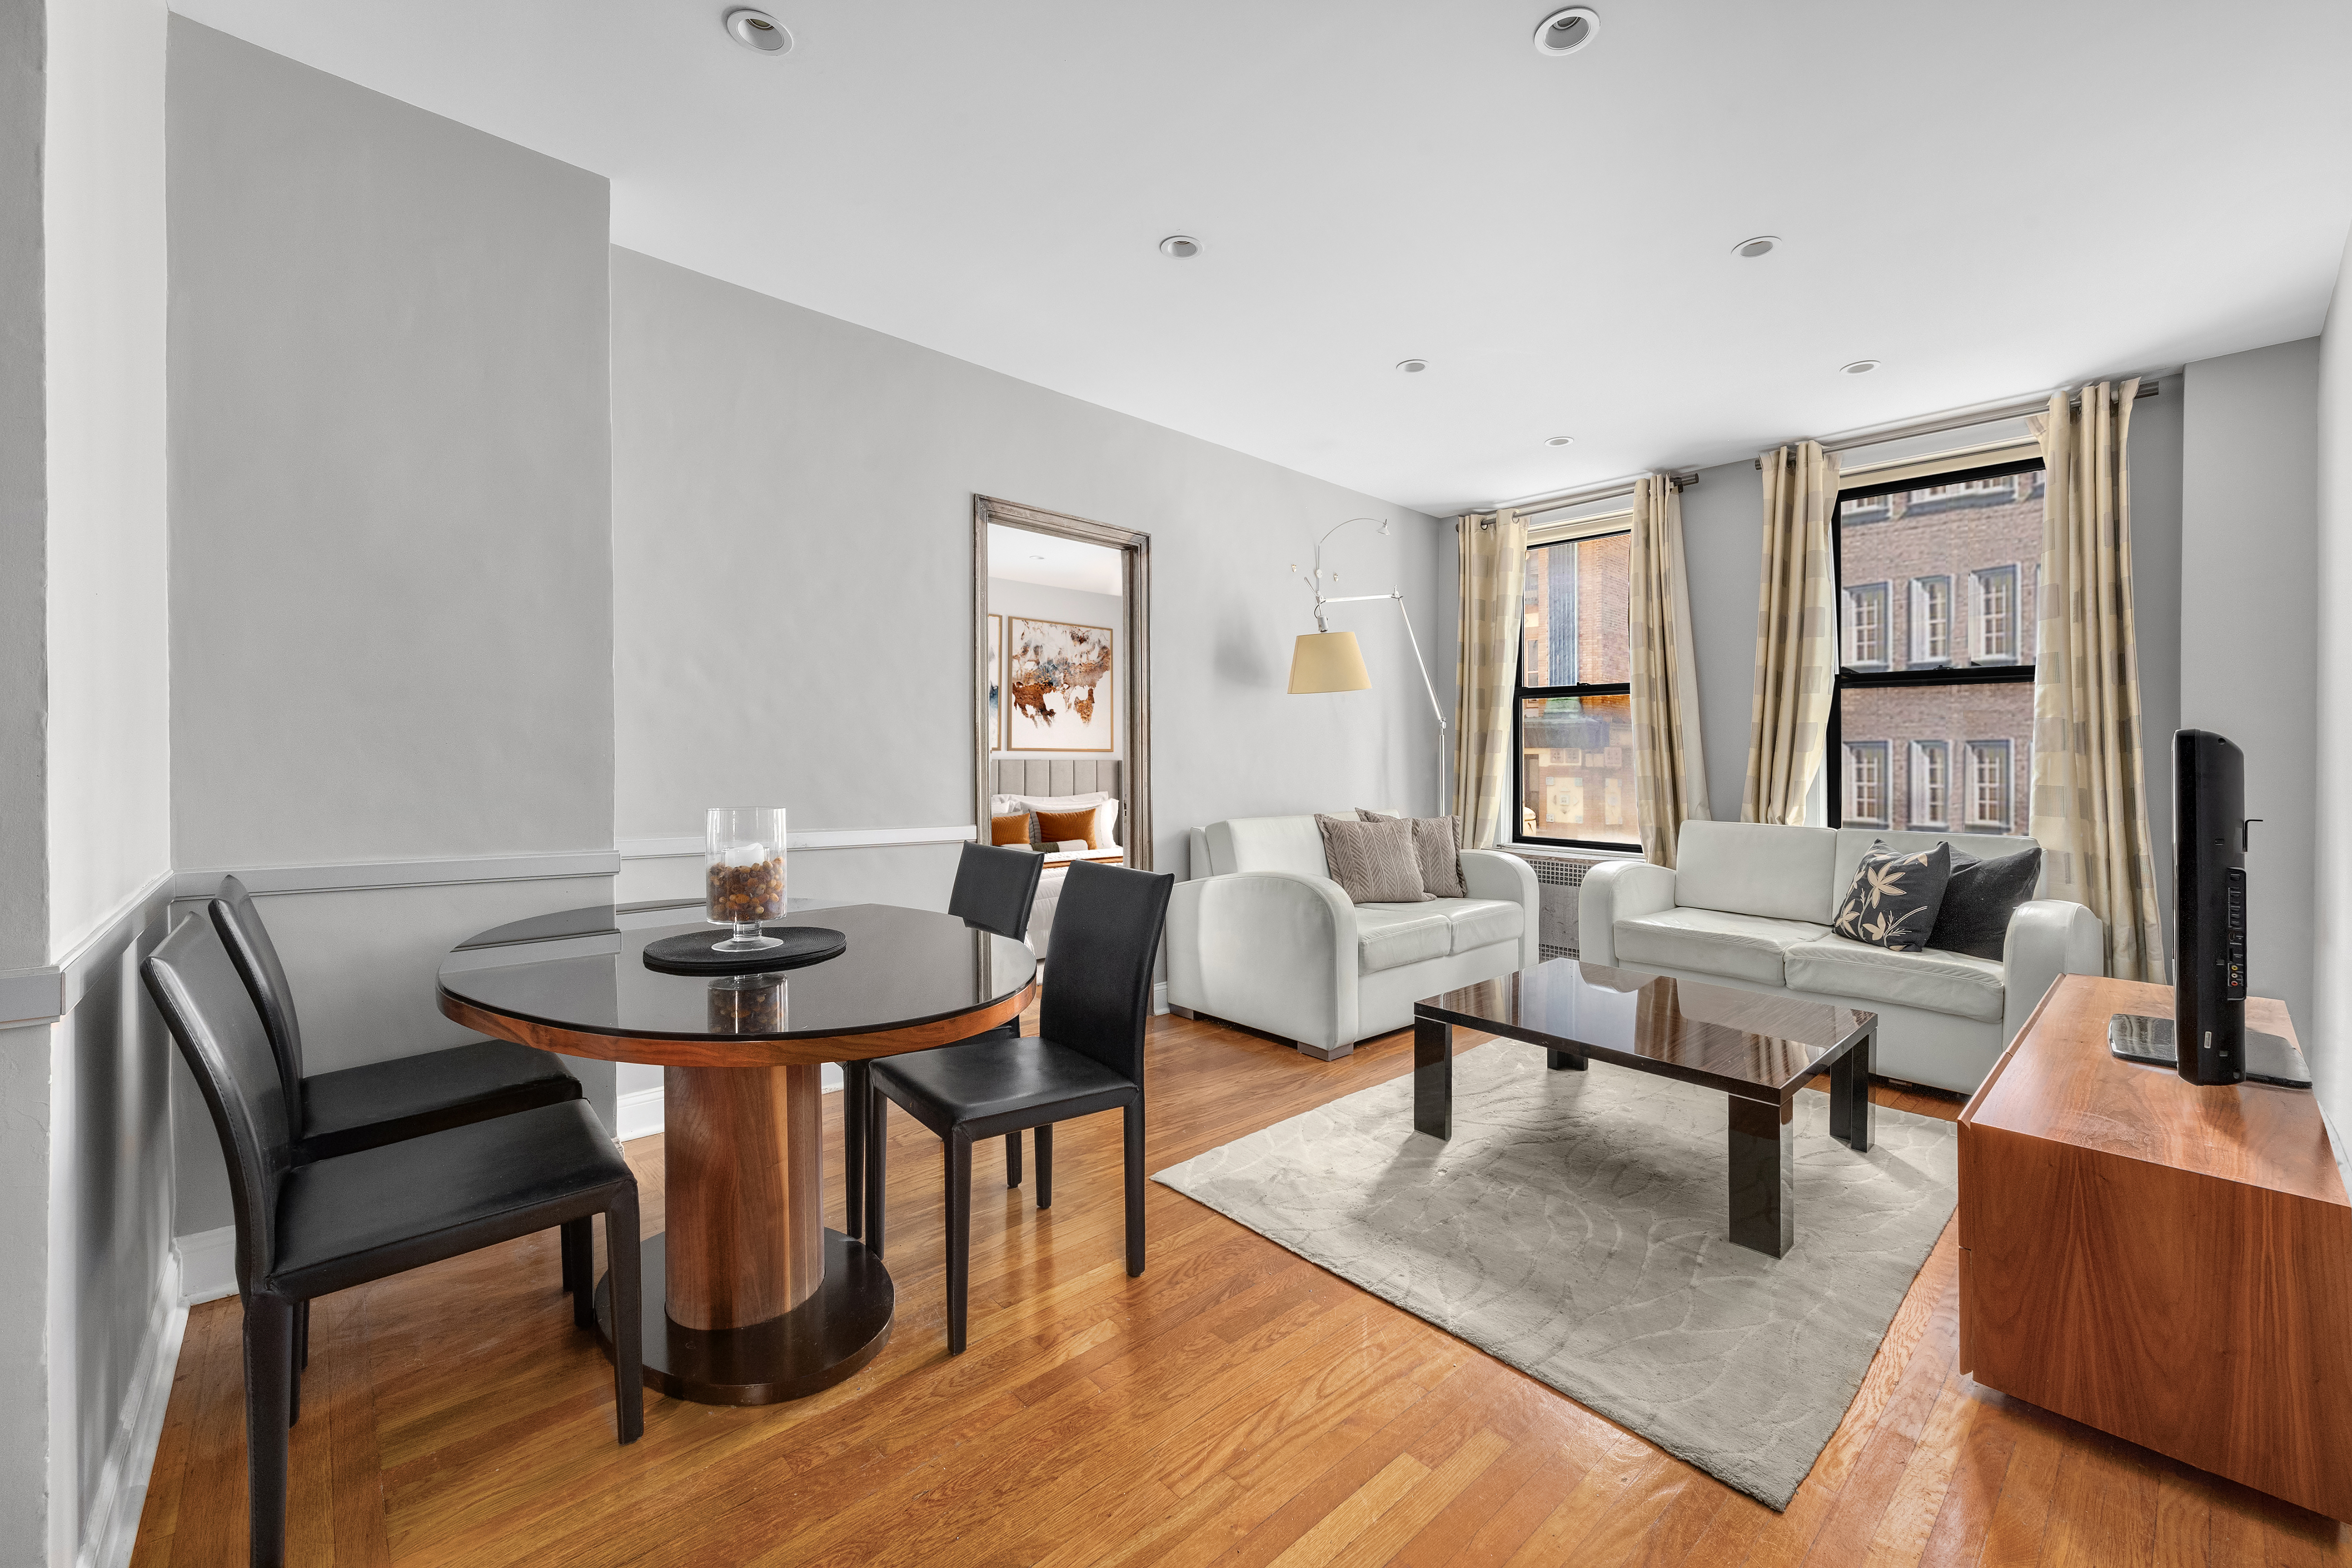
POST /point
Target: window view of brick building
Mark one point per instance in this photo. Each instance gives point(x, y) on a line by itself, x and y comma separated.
point(1576, 718)
point(1934, 582)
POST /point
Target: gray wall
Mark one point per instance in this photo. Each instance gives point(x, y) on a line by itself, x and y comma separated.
point(1006, 597)
point(811, 481)
point(2249, 642)
point(2330, 1028)
point(24, 505)
point(391, 522)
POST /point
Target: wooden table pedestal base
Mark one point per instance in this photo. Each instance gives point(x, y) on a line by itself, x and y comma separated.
point(840, 1327)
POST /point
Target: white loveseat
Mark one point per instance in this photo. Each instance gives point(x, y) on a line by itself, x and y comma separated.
point(1262, 936)
point(1751, 907)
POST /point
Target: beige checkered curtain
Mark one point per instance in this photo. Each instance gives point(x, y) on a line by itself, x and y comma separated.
point(1670, 763)
point(2090, 794)
point(1796, 634)
point(1494, 547)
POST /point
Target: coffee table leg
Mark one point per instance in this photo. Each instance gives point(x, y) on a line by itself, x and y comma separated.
point(1763, 1176)
point(1564, 1062)
point(1432, 1077)
point(1850, 1109)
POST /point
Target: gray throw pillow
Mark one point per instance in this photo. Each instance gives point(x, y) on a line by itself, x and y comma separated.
point(1980, 898)
point(1373, 862)
point(1437, 842)
point(1894, 898)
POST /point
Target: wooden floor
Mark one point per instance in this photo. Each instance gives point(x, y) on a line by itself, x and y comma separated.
point(1235, 1405)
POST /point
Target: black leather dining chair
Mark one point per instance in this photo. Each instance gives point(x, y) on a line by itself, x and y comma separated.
point(305, 1229)
point(1086, 1057)
point(994, 890)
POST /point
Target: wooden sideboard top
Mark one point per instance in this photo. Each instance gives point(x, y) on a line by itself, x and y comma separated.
point(2057, 1081)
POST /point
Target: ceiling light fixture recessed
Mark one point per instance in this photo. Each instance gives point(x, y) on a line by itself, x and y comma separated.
point(1036, 558)
point(758, 31)
point(1559, 440)
point(1564, 32)
point(1180, 246)
point(1860, 367)
point(1763, 245)
point(1412, 366)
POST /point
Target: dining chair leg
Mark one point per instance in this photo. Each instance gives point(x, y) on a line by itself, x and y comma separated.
point(580, 1270)
point(621, 1246)
point(1134, 1115)
point(959, 1154)
point(268, 1400)
point(855, 1078)
point(876, 1111)
point(1012, 1158)
point(1046, 1165)
point(302, 1336)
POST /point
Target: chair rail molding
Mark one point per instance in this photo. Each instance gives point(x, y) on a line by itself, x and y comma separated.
point(354, 876)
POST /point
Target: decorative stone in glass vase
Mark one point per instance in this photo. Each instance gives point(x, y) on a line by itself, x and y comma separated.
point(743, 874)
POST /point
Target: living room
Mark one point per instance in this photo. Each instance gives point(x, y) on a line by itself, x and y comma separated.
point(453, 450)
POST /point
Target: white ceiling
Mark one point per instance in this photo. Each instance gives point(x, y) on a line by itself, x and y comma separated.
point(1020, 556)
point(1992, 199)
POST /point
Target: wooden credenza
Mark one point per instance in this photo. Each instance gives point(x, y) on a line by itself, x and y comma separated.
point(2166, 1263)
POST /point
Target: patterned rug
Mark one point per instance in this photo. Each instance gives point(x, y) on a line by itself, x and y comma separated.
point(1574, 1228)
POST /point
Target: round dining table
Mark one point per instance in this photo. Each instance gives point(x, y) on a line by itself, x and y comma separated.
point(749, 1298)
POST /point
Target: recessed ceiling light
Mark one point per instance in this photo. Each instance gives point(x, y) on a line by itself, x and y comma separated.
point(758, 31)
point(1412, 366)
point(1860, 367)
point(1564, 32)
point(1559, 440)
point(1036, 558)
point(1180, 246)
point(1763, 245)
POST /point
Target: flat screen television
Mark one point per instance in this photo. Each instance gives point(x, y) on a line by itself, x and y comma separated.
point(2209, 893)
point(2206, 1038)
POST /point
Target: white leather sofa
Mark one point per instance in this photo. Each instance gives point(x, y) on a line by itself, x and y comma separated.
point(1262, 936)
point(1751, 907)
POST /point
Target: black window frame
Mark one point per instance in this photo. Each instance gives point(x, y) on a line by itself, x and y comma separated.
point(1522, 694)
point(1843, 680)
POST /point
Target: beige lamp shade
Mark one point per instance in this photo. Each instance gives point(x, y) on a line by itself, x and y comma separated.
point(1329, 661)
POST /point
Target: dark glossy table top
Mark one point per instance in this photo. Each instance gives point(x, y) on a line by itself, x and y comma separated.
point(584, 971)
point(1743, 1042)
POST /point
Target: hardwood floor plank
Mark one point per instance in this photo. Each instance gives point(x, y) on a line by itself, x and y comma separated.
point(1235, 1405)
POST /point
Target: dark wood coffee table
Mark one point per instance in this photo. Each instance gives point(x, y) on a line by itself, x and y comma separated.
point(1756, 1049)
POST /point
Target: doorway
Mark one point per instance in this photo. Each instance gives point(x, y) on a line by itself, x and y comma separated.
point(1062, 666)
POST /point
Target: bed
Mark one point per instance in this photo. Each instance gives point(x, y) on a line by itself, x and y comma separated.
point(1031, 778)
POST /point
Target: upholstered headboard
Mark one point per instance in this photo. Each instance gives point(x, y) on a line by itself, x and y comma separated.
point(1055, 775)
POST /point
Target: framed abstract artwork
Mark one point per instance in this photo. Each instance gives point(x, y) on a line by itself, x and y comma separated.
point(996, 682)
point(1061, 686)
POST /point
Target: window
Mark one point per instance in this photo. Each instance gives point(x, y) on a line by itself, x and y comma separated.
point(1865, 789)
point(1574, 707)
point(1931, 620)
point(1866, 626)
point(1989, 780)
point(1931, 783)
point(1996, 614)
point(1932, 721)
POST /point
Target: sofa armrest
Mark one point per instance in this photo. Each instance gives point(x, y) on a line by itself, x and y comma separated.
point(1618, 890)
point(2047, 938)
point(1274, 950)
point(1508, 879)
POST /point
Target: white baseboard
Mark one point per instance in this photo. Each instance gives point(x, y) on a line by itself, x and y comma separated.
point(639, 1112)
point(112, 1527)
point(206, 1263)
point(1160, 997)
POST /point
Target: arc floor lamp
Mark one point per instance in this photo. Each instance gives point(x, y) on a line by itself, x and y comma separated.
point(1325, 660)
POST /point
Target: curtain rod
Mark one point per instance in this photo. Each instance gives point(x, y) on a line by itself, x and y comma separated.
point(1602, 491)
point(1961, 418)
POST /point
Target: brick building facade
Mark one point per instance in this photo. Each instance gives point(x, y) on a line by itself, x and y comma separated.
point(1576, 753)
point(1940, 577)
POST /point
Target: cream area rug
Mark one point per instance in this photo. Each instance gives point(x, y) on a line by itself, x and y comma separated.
point(1575, 1227)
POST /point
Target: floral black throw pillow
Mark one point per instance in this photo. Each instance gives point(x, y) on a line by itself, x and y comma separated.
point(1894, 898)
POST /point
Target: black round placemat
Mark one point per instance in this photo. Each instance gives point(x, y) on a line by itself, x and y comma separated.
point(692, 954)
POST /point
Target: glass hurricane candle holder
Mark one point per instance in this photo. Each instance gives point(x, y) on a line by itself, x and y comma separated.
point(743, 860)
